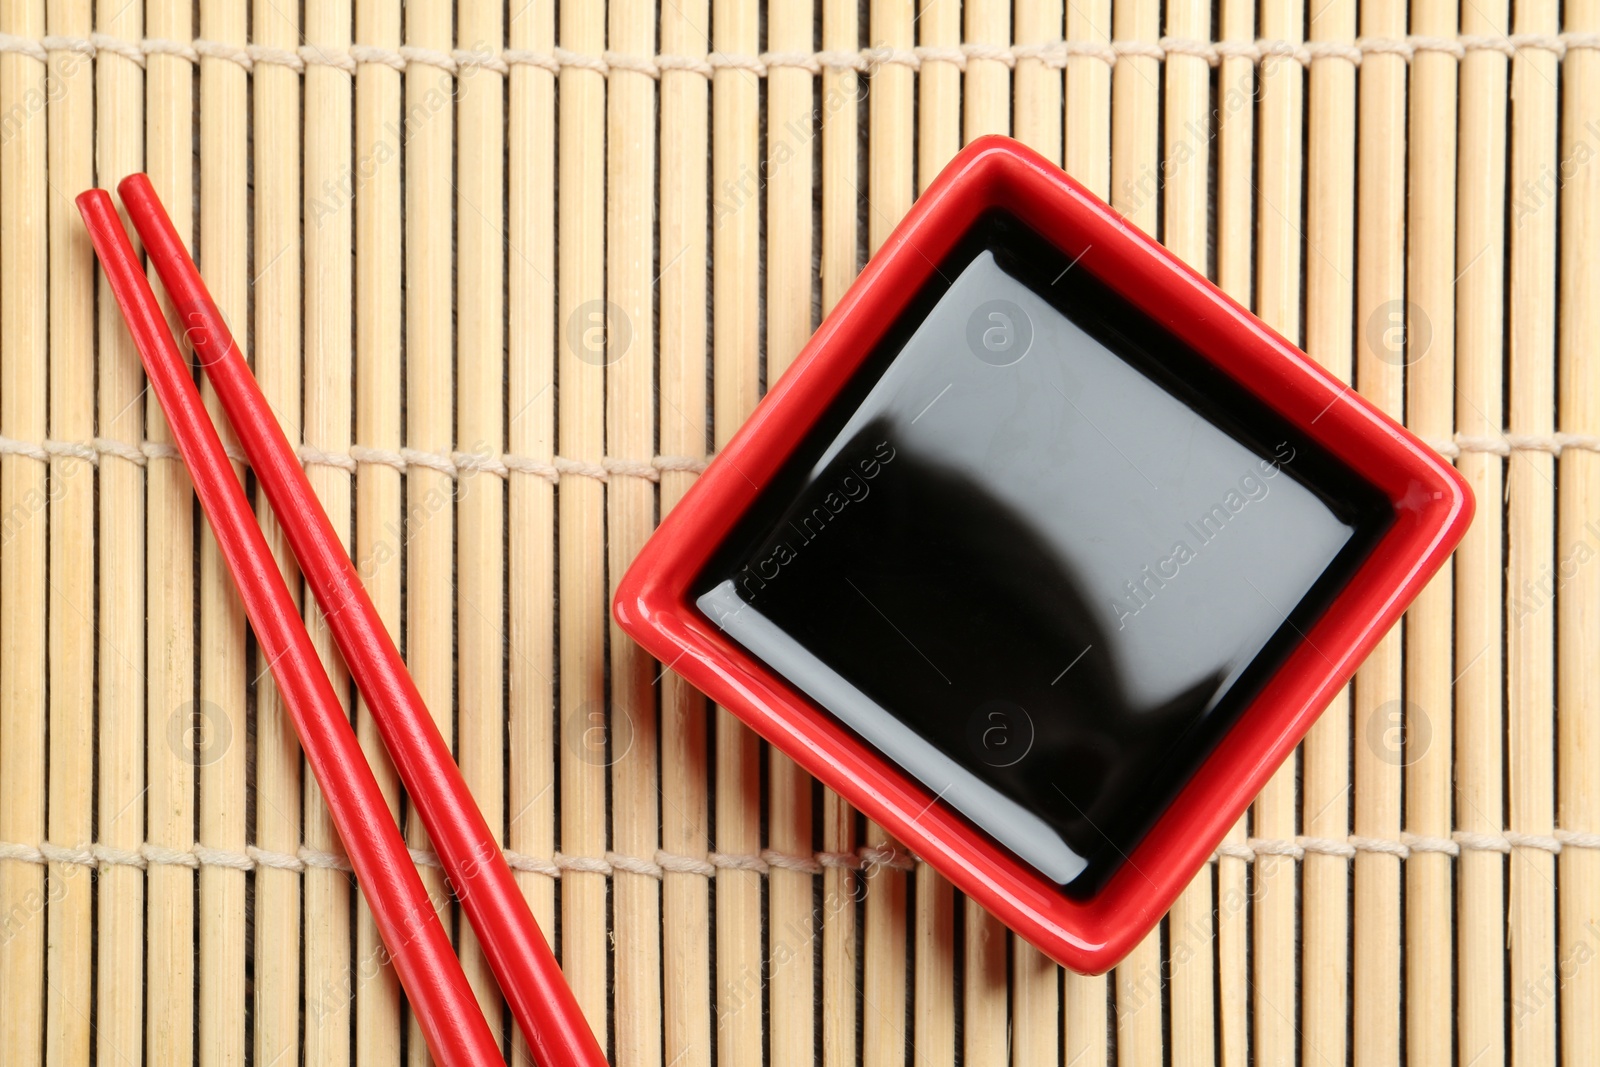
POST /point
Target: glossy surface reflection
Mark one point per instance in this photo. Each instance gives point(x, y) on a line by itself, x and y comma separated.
point(1029, 573)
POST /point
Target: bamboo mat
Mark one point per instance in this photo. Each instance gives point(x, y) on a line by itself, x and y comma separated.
point(512, 274)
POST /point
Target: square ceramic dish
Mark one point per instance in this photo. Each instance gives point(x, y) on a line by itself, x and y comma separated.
point(1044, 554)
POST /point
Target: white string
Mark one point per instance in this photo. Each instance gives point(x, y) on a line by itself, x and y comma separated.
point(1506, 443)
point(662, 863)
point(453, 464)
point(1056, 54)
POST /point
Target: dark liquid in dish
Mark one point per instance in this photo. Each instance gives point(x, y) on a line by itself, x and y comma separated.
point(1040, 555)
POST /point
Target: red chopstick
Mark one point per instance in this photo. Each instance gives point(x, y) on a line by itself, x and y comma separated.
point(451, 1020)
point(529, 977)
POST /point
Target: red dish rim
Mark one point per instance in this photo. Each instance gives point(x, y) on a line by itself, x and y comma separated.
point(1432, 507)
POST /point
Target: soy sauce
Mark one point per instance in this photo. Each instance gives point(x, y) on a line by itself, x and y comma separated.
point(1040, 554)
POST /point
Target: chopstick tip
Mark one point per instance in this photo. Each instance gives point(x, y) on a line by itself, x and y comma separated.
point(99, 214)
point(136, 185)
point(92, 199)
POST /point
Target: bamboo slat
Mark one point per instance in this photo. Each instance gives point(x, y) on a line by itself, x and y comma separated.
point(120, 732)
point(380, 537)
point(1087, 154)
point(1530, 495)
point(986, 109)
point(170, 551)
point(1037, 121)
point(1577, 678)
point(1186, 155)
point(933, 980)
point(1428, 358)
point(70, 961)
point(220, 718)
point(1278, 237)
point(429, 400)
point(1480, 564)
point(1330, 291)
point(1380, 715)
point(890, 182)
point(629, 359)
point(1139, 981)
point(24, 242)
point(330, 965)
point(787, 168)
point(736, 378)
point(580, 397)
point(480, 241)
point(275, 287)
point(530, 430)
point(1237, 90)
point(685, 898)
point(839, 242)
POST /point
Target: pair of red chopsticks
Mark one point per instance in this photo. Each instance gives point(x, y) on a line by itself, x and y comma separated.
point(529, 976)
